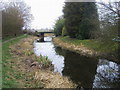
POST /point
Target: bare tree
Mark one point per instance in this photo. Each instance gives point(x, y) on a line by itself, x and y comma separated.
point(16, 15)
point(109, 14)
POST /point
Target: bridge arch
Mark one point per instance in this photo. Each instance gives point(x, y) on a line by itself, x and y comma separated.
point(41, 34)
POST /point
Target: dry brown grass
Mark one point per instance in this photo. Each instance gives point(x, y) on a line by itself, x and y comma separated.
point(81, 49)
point(34, 76)
point(53, 80)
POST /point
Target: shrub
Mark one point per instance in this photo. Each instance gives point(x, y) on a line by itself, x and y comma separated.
point(64, 31)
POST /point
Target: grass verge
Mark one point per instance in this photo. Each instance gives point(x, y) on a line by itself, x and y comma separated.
point(93, 48)
point(99, 46)
point(8, 74)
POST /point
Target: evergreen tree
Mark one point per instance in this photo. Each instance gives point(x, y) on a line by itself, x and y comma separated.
point(89, 22)
point(81, 19)
point(72, 15)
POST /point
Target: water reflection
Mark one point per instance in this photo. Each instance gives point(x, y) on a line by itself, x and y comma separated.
point(48, 39)
point(108, 75)
point(80, 69)
point(85, 71)
point(47, 49)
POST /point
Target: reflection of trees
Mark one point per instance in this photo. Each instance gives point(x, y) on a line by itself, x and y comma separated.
point(59, 51)
point(107, 75)
point(80, 68)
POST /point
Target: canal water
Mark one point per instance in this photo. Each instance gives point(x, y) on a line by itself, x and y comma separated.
point(84, 71)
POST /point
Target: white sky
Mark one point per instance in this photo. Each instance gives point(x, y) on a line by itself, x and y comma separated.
point(45, 12)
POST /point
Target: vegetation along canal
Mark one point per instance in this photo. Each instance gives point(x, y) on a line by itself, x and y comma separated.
point(84, 71)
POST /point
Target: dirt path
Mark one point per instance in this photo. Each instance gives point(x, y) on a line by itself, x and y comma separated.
point(11, 39)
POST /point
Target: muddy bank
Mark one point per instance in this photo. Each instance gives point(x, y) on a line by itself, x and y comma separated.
point(37, 74)
point(81, 49)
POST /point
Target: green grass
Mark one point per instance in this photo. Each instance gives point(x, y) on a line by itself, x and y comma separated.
point(0, 64)
point(9, 75)
point(44, 60)
point(99, 46)
point(9, 37)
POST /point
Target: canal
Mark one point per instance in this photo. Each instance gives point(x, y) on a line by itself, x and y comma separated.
point(84, 71)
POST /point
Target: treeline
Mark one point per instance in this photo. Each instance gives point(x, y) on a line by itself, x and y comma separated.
point(15, 17)
point(89, 20)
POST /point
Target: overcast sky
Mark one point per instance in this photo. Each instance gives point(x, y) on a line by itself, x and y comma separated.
point(45, 12)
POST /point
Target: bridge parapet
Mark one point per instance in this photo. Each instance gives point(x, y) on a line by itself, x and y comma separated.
point(46, 32)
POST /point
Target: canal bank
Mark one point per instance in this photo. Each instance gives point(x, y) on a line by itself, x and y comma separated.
point(90, 48)
point(85, 71)
point(31, 71)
